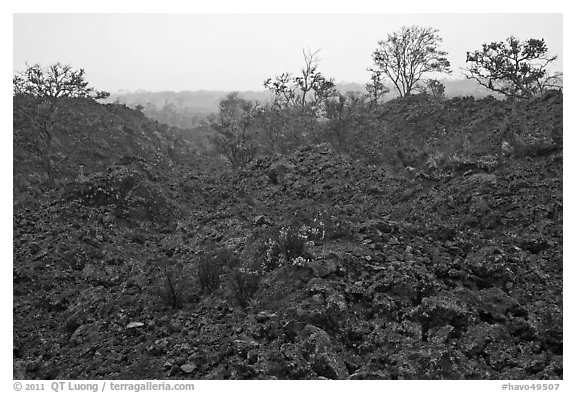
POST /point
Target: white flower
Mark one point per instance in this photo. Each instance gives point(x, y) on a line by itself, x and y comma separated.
point(300, 261)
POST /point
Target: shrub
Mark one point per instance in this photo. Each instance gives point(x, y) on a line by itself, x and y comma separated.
point(262, 247)
point(173, 286)
point(211, 267)
point(235, 137)
point(291, 243)
point(325, 225)
point(286, 246)
point(435, 88)
point(284, 129)
point(244, 283)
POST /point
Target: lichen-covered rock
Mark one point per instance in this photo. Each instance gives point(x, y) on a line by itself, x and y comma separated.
point(477, 338)
point(322, 357)
point(188, 368)
point(278, 171)
point(440, 335)
point(489, 267)
point(323, 268)
point(445, 308)
point(429, 362)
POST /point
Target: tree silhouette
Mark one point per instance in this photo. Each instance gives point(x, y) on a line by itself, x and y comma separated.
point(310, 86)
point(376, 89)
point(235, 138)
point(39, 91)
point(54, 81)
point(407, 55)
point(514, 68)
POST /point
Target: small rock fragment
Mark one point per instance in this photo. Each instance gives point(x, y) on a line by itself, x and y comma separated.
point(188, 368)
point(264, 316)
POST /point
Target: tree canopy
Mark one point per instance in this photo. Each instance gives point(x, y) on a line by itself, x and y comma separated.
point(407, 55)
point(234, 137)
point(54, 81)
point(310, 86)
point(515, 68)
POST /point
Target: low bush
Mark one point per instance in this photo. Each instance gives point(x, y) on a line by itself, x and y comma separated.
point(172, 286)
point(291, 243)
point(244, 283)
point(211, 268)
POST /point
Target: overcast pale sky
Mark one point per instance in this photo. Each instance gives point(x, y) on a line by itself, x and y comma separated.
point(238, 51)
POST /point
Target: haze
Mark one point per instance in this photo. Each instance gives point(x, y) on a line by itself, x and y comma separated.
point(177, 52)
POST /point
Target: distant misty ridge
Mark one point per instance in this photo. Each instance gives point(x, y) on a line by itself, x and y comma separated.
point(201, 103)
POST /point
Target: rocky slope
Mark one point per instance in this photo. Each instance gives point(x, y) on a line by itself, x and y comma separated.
point(308, 266)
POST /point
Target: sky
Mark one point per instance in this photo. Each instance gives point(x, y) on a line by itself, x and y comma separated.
point(177, 52)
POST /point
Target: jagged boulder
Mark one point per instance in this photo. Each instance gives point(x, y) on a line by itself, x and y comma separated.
point(321, 354)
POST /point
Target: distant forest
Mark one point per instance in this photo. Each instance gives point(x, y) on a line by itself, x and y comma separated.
point(188, 109)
